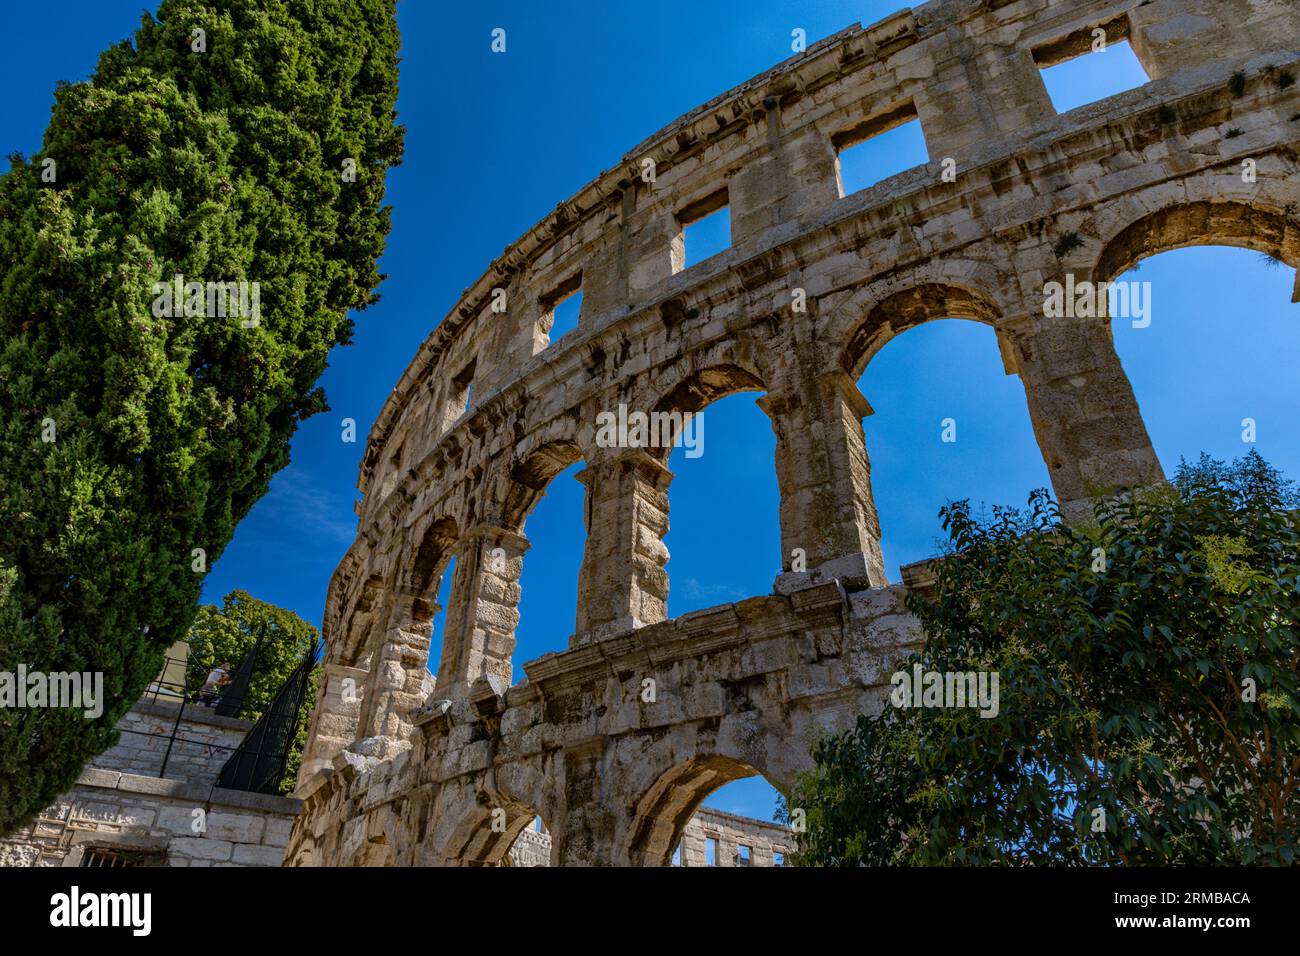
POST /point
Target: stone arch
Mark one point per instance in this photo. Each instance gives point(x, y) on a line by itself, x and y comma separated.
point(696, 390)
point(529, 477)
point(420, 576)
point(906, 308)
point(1203, 223)
point(663, 811)
point(1266, 220)
point(353, 632)
point(401, 630)
point(485, 834)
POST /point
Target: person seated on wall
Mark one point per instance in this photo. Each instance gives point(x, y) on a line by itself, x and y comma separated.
point(218, 677)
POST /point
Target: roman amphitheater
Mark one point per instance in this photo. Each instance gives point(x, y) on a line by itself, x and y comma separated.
point(615, 741)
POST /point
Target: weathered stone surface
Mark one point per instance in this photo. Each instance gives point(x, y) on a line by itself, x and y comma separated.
point(180, 820)
point(201, 848)
point(246, 855)
point(813, 285)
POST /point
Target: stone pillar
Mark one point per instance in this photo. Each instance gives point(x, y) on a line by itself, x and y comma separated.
point(827, 511)
point(334, 719)
point(1085, 417)
point(398, 677)
point(981, 89)
point(479, 638)
point(633, 259)
point(728, 851)
point(622, 583)
point(692, 845)
point(793, 180)
point(585, 825)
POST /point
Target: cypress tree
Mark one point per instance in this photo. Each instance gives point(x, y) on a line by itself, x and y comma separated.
point(231, 141)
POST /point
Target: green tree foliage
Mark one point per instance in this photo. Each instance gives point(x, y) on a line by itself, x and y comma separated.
point(227, 634)
point(1149, 711)
point(221, 157)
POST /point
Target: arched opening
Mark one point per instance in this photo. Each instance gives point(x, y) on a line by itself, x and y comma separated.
point(429, 583)
point(428, 569)
point(1213, 364)
point(949, 424)
point(724, 534)
point(530, 477)
point(397, 655)
point(1210, 358)
point(909, 308)
point(495, 835)
point(439, 621)
point(697, 802)
point(545, 502)
point(362, 622)
point(947, 420)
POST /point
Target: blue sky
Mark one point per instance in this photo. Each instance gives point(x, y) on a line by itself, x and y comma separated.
point(495, 141)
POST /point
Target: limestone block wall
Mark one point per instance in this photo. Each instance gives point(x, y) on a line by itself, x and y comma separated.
point(168, 822)
point(732, 832)
point(814, 283)
point(120, 804)
point(204, 741)
point(762, 842)
point(531, 849)
point(740, 689)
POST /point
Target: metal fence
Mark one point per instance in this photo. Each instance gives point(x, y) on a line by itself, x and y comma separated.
point(259, 762)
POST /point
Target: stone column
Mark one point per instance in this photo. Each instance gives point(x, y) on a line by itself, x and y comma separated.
point(622, 583)
point(479, 638)
point(1170, 38)
point(827, 511)
point(727, 851)
point(692, 846)
point(335, 718)
point(981, 89)
point(792, 180)
point(1085, 417)
point(398, 677)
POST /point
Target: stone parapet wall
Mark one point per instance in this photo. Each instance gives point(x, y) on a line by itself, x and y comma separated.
point(120, 805)
point(203, 741)
point(164, 822)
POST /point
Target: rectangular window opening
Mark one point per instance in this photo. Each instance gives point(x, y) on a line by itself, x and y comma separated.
point(1089, 65)
point(743, 855)
point(710, 851)
point(705, 230)
point(462, 389)
point(778, 858)
point(879, 147)
point(562, 308)
point(103, 857)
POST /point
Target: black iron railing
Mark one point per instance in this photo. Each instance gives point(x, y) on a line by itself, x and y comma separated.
point(275, 729)
point(259, 762)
